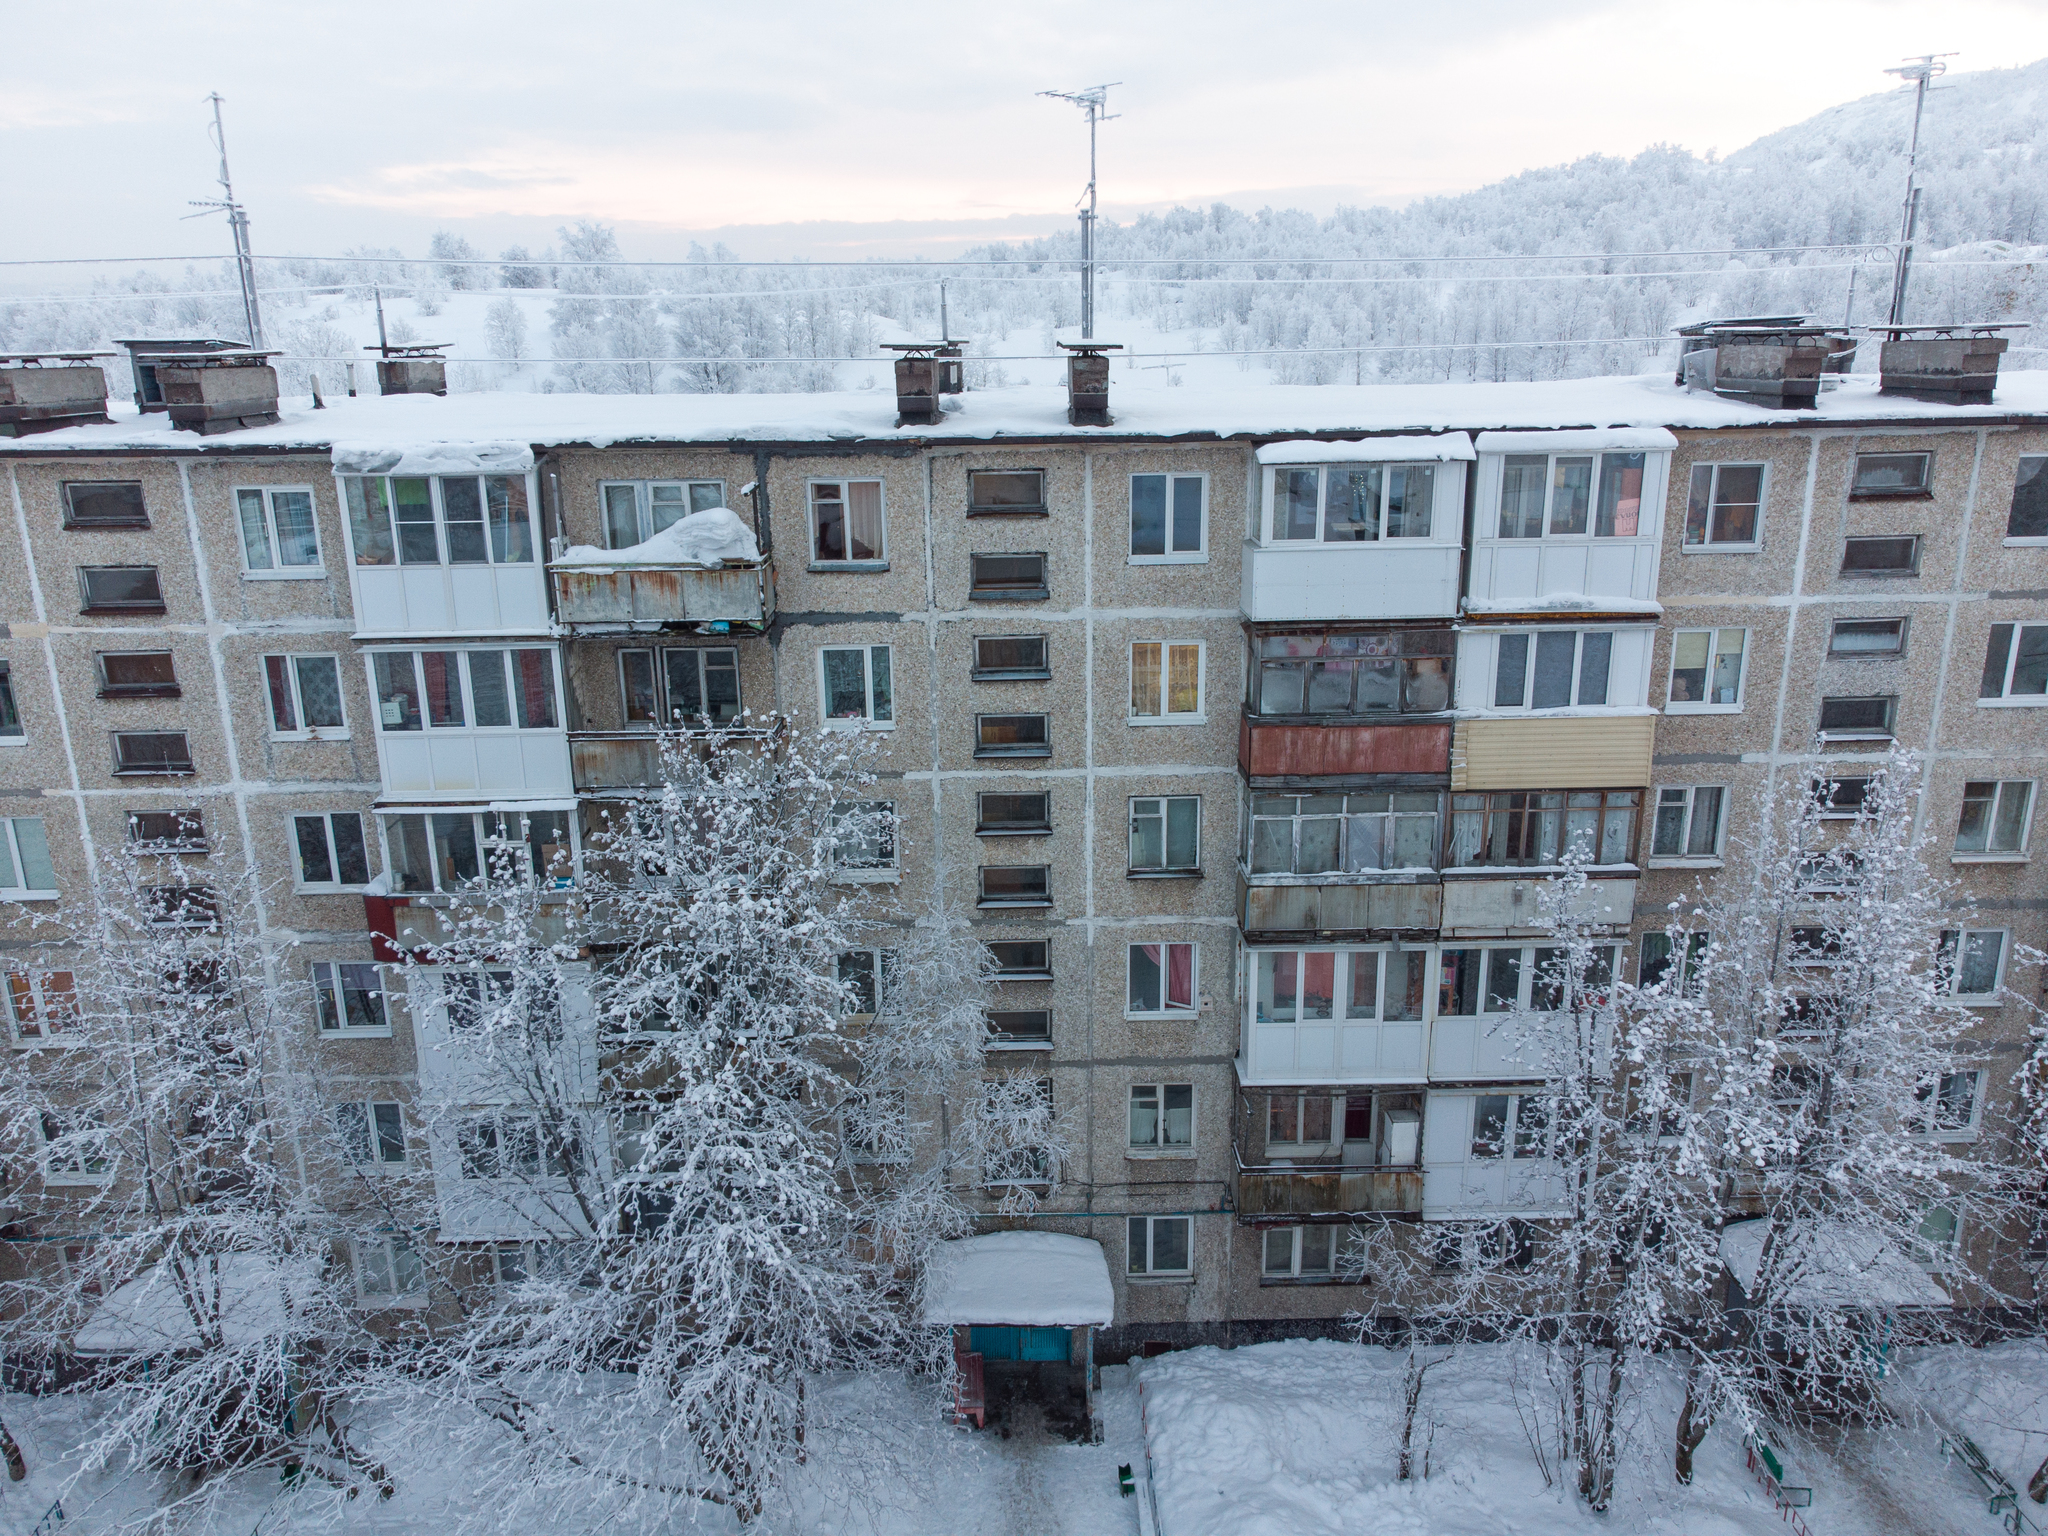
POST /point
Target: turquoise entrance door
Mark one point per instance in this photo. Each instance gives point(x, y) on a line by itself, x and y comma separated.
point(1004, 1343)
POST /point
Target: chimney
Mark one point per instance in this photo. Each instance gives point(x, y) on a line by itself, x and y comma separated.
point(1776, 361)
point(42, 391)
point(1088, 381)
point(415, 369)
point(1934, 362)
point(213, 392)
point(148, 395)
point(925, 370)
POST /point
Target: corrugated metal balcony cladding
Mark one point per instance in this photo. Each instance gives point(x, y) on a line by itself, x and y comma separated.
point(1555, 752)
point(1271, 751)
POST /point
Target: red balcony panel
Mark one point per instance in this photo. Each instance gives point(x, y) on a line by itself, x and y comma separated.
point(1313, 751)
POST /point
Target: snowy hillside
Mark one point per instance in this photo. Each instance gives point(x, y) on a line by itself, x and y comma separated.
point(1428, 304)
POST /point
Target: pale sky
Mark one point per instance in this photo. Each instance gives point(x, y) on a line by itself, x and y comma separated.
point(857, 128)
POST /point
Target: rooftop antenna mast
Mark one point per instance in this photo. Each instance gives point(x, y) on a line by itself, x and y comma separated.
point(238, 223)
point(1093, 101)
point(1919, 71)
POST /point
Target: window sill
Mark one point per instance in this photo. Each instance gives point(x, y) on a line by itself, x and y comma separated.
point(312, 890)
point(1008, 512)
point(1877, 575)
point(186, 771)
point(1178, 1016)
point(848, 567)
point(1026, 753)
point(1200, 558)
point(13, 741)
point(391, 1303)
point(1298, 1281)
point(1978, 1002)
point(1924, 495)
point(50, 1182)
point(124, 613)
point(2011, 703)
point(867, 876)
point(1013, 831)
point(1008, 675)
point(1167, 720)
point(145, 691)
point(1988, 858)
point(325, 734)
point(1013, 595)
point(1536, 871)
point(840, 724)
point(1035, 904)
point(1145, 1155)
point(1158, 1281)
point(2027, 542)
point(1343, 877)
point(1682, 863)
point(1833, 736)
point(355, 1034)
point(1721, 549)
point(7, 895)
point(1162, 874)
point(1017, 1045)
point(1702, 709)
point(297, 573)
point(1010, 976)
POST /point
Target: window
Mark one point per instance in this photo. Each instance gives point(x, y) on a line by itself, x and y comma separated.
point(370, 1133)
point(2029, 516)
point(1856, 638)
point(349, 997)
point(1301, 1120)
point(1858, 719)
point(1657, 959)
point(1308, 986)
point(1564, 667)
point(1166, 834)
point(1013, 736)
point(478, 690)
point(1891, 474)
point(1011, 815)
point(278, 535)
point(332, 852)
point(1298, 1253)
point(1022, 959)
point(1504, 1123)
point(305, 697)
point(1667, 1119)
point(864, 835)
point(1515, 980)
point(1533, 827)
point(681, 688)
point(636, 510)
point(1160, 1245)
point(867, 975)
point(2016, 664)
point(1841, 799)
point(1162, 1117)
point(1972, 961)
point(1166, 682)
point(104, 504)
point(856, 684)
point(44, 1005)
point(1028, 1027)
point(1005, 658)
point(1343, 834)
point(120, 589)
point(1556, 495)
point(846, 522)
point(1706, 670)
point(456, 850)
point(167, 831)
point(1688, 822)
point(181, 906)
point(1725, 506)
point(1007, 578)
point(11, 733)
point(1404, 672)
point(151, 752)
point(1162, 980)
point(388, 1268)
point(25, 869)
point(1168, 518)
point(136, 675)
point(1016, 885)
point(439, 520)
point(1995, 817)
point(74, 1153)
point(1949, 1106)
point(1353, 503)
point(1939, 1234)
point(1005, 492)
point(1887, 556)
point(1021, 1109)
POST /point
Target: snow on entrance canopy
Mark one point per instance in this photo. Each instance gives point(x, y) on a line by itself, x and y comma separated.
point(710, 537)
point(1371, 450)
point(1022, 1279)
point(1832, 1265)
point(148, 1316)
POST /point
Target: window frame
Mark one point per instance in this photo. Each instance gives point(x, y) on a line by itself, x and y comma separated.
point(1166, 869)
point(1294, 1274)
point(1947, 955)
point(1262, 664)
point(643, 505)
point(1200, 715)
point(1884, 572)
point(108, 690)
point(374, 1142)
point(1836, 653)
point(391, 1244)
point(1928, 1126)
point(192, 821)
point(978, 593)
point(1887, 732)
point(1532, 635)
point(980, 672)
point(1989, 855)
point(68, 506)
point(1685, 859)
point(290, 669)
point(1254, 816)
point(1139, 1274)
point(1006, 1040)
point(328, 887)
point(986, 902)
point(1921, 492)
point(1276, 478)
point(1166, 1011)
point(1487, 811)
point(817, 562)
point(2040, 477)
point(1675, 706)
point(1649, 521)
point(1012, 749)
point(145, 606)
point(332, 987)
point(510, 649)
point(55, 1023)
point(994, 509)
point(2005, 698)
point(865, 720)
point(1709, 545)
point(12, 732)
point(1158, 1147)
point(165, 768)
point(983, 827)
point(888, 868)
point(277, 570)
point(658, 670)
point(487, 843)
point(82, 1175)
point(1199, 555)
point(356, 509)
point(10, 849)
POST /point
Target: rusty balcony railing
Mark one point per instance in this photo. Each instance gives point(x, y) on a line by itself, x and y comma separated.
point(645, 599)
point(1328, 1189)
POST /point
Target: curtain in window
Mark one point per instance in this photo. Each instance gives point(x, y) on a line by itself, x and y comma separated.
point(536, 690)
point(444, 687)
point(1183, 679)
point(1145, 680)
point(296, 542)
point(282, 716)
point(864, 520)
point(255, 538)
point(1180, 976)
point(511, 530)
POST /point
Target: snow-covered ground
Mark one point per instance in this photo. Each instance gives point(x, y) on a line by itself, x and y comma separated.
point(1288, 1439)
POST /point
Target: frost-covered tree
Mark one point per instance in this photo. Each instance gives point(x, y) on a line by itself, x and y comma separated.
point(453, 254)
point(505, 330)
point(521, 270)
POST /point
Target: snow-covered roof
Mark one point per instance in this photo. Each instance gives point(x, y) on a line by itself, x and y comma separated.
point(148, 1316)
point(1034, 1279)
point(1831, 1264)
point(1584, 440)
point(423, 428)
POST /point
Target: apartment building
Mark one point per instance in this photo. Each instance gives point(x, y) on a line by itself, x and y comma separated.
point(1245, 727)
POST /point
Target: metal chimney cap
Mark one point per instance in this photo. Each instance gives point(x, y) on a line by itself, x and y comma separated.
point(1090, 346)
point(34, 359)
point(1974, 327)
point(409, 348)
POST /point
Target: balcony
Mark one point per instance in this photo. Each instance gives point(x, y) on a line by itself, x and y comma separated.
point(1497, 904)
point(605, 762)
point(1322, 905)
point(1328, 1189)
point(1404, 579)
point(645, 599)
point(1270, 753)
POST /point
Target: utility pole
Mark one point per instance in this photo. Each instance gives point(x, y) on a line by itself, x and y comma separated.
point(1919, 71)
point(238, 224)
point(1093, 100)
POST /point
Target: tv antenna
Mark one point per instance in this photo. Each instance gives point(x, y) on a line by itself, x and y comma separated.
point(1917, 71)
point(238, 223)
point(1093, 101)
